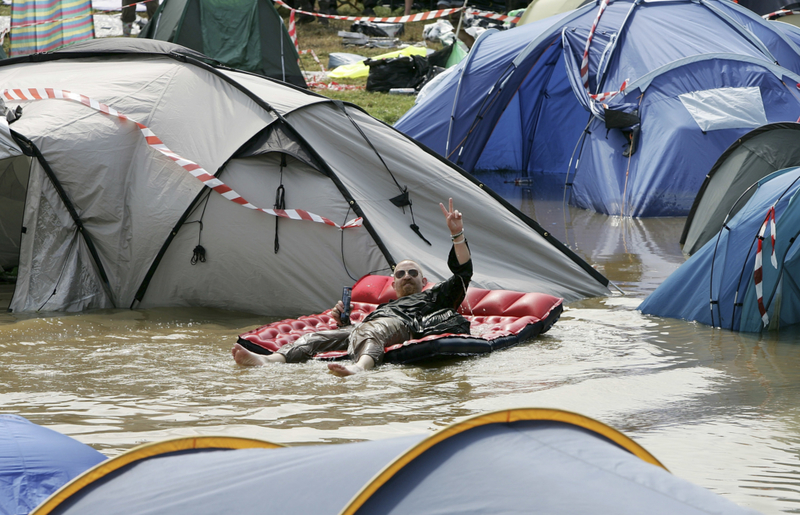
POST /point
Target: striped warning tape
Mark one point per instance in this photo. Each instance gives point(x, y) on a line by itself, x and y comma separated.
point(195, 169)
point(758, 273)
point(428, 15)
point(599, 97)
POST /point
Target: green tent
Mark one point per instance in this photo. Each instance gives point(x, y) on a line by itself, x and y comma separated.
point(247, 35)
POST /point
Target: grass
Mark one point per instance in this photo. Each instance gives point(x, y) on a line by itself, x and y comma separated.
point(323, 40)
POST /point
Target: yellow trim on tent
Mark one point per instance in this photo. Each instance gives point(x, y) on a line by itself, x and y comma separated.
point(497, 417)
point(142, 452)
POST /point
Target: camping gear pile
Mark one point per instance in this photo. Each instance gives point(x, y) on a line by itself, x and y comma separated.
point(153, 178)
point(498, 319)
point(620, 106)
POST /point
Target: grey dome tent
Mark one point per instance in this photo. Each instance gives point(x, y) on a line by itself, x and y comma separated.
point(512, 461)
point(727, 187)
point(119, 210)
point(243, 34)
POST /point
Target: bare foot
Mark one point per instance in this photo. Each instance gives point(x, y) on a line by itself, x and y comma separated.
point(343, 371)
point(246, 358)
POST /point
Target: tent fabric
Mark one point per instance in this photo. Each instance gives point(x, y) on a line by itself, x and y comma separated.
point(540, 9)
point(514, 461)
point(246, 35)
point(727, 186)
point(142, 216)
point(518, 101)
point(44, 25)
point(715, 286)
point(36, 461)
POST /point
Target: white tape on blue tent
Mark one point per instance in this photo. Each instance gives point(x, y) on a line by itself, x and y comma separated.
point(726, 108)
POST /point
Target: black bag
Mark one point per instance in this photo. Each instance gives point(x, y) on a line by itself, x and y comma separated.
point(440, 322)
point(398, 72)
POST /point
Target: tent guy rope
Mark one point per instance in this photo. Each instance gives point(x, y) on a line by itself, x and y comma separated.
point(153, 141)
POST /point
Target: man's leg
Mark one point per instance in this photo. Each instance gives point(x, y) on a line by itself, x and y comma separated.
point(128, 16)
point(367, 343)
point(300, 350)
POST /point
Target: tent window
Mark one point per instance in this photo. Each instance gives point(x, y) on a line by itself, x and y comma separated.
point(726, 108)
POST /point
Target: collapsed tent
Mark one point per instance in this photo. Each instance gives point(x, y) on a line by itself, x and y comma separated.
point(747, 277)
point(145, 160)
point(511, 461)
point(247, 35)
point(727, 187)
point(36, 461)
point(694, 76)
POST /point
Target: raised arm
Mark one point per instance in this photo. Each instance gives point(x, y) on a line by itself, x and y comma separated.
point(455, 223)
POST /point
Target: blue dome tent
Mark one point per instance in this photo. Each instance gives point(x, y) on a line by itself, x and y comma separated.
point(694, 75)
point(35, 462)
point(511, 461)
point(719, 284)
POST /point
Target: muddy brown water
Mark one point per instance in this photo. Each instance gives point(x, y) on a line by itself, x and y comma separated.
point(718, 408)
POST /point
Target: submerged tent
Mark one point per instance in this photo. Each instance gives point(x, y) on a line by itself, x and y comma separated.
point(747, 278)
point(512, 461)
point(128, 139)
point(35, 462)
point(727, 187)
point(695, 76)
point(247, 35)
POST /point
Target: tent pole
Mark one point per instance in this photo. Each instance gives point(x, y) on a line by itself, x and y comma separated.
point(460, 19)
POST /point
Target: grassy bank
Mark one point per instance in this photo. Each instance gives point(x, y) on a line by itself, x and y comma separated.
point(323, 40)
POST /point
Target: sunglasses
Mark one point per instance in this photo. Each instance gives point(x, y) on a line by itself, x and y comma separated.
point(399, 274)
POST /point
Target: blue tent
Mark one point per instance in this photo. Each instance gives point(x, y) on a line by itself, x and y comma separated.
point(510, 461)
point(697, 73)
point(35, 462)
point(717, 285)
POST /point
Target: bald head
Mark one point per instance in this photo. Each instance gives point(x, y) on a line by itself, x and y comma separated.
point(408, 278)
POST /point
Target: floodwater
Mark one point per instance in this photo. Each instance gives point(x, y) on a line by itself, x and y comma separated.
point(717, 408)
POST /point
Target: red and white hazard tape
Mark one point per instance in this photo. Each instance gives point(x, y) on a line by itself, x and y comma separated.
point(314, 56)
point(758, 273)
point(292, 30)
point(599, 97)
point(190, 166)
point(585, 61)
point(779, 13)
point(494, 16)
point(428, 15)
point(396, 19)
point(602, 97)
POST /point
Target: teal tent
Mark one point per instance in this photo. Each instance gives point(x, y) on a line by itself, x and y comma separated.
point(246, 35)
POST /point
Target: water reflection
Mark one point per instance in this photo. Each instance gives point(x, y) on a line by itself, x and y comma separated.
point(717, 408)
